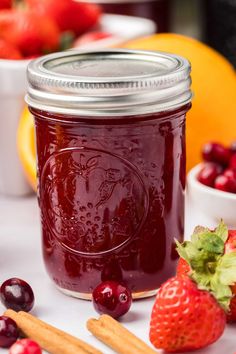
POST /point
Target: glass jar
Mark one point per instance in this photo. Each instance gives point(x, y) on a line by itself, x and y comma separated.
point(110, 133)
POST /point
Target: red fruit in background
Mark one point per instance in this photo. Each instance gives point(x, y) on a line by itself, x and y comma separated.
point(8, 51)
point(29, 32)
point(91, 37)
point(185, 318)
point(215, 152)
point(231, 174)
point(232, 162)
point(25, 346)
point(5, 4)
point(208, 173)
point(233, 147)
point(69, 15)
point(222, 183)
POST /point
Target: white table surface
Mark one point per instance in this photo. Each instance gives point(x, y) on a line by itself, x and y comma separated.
point(20, 256)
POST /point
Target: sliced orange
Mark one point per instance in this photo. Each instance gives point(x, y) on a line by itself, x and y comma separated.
point(26, 146)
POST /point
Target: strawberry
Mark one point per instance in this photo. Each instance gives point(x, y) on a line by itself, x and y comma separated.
point(29, 32)
point(230, 246)
point(8, 51)
point(69, 15)
point(184, 317)
point(183, 267)
point(190, 309)
point(91, 37)
point(5, 4)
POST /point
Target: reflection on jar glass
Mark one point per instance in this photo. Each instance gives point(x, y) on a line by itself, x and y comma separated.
point(110, 132)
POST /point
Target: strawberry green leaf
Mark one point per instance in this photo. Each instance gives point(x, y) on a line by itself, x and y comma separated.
point(210, 242)
point(211, 269)
point(180, 247)
point(226, 269)
point(222, 231)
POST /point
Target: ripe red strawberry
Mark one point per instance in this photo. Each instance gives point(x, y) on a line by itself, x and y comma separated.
point(29, 32)
point(184, 317)
point(183, 267)
point(230, 246)
point(5, 4)
point(8, 51)
point(231, 316)
point(69, 15)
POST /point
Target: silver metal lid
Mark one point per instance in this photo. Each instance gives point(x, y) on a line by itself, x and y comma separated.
point(108, 82)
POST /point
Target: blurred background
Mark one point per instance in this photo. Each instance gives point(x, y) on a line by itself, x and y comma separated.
point(212, 21)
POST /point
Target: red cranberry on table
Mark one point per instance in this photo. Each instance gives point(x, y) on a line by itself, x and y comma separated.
point(112, 298)
point(208, 173)
point(25, 346)
point(8, 332)
point(17, 295)
point(215, 152)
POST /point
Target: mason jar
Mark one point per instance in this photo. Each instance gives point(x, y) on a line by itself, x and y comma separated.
point(110, 134)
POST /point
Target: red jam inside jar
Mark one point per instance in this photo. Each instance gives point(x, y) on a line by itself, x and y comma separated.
point(110, 132)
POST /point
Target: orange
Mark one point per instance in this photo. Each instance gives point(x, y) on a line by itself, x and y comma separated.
point(26, 146)
point(213, 113)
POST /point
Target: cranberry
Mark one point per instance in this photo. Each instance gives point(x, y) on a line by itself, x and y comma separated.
point(208, 173)
point(223, 183)
point(112, 298)
point(232, 162)
point(16, 294)
point(214, 152)
point(8, 332)
point(25, 346)
point(231, 184)
point(233, 147)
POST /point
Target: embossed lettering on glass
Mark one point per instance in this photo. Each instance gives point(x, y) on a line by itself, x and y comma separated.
point(110, 132)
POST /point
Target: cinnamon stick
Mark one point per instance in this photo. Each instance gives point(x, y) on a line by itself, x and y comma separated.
point(48, 337)
point(113, 334)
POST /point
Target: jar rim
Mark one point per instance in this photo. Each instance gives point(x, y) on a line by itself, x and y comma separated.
point(105, 82)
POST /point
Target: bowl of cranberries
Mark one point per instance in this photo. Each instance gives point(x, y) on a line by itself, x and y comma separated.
point(211, 185)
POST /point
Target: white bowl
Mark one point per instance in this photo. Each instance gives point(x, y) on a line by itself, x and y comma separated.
point(214, 203)
point(123, 28)
point(12, 91)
